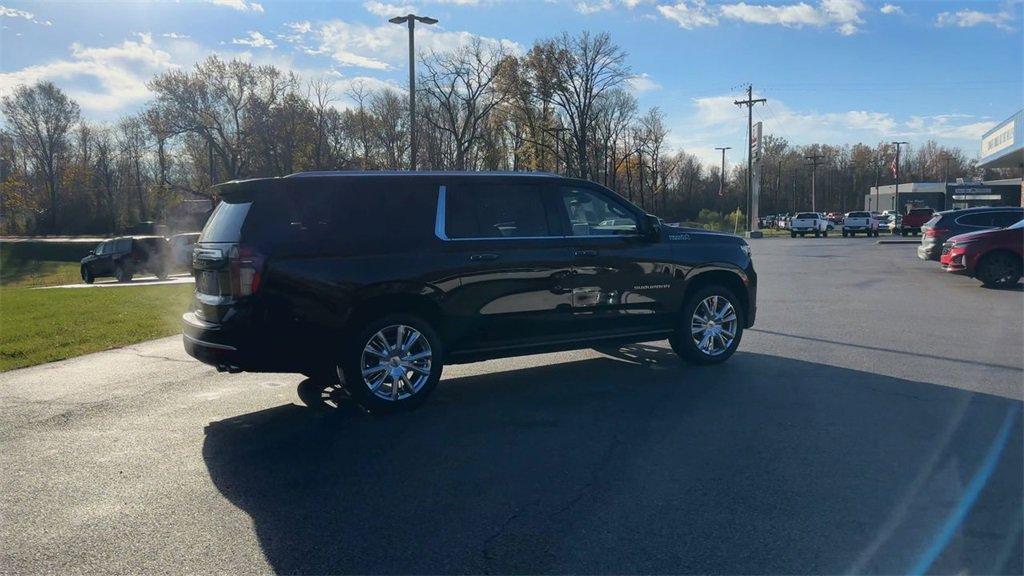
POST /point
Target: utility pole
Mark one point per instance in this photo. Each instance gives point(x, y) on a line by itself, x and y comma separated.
point(896, 175)
point(410, 20)
point(814, 158)
point(721, 181)
point(749, 103)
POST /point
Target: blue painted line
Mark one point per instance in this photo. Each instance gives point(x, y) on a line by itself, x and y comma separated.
point(970, 496)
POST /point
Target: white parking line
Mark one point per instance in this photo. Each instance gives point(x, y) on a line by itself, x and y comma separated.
point(141, 281)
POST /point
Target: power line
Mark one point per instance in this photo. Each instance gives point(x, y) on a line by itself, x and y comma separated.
point(814, 162)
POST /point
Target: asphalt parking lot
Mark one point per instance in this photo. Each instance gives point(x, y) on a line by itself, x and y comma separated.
point(870, 423)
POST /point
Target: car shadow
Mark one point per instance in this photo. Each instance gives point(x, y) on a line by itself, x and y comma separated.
point(637, 463)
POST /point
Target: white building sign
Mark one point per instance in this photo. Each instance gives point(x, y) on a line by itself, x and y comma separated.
point(998, 140)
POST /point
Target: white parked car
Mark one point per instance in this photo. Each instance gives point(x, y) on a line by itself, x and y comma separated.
point(805, 223)
point(860, 222)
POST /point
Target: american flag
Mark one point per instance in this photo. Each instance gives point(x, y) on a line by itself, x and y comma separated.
point(894, 167)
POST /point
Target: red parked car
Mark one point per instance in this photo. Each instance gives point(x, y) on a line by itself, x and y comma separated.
point(912, 221)
point(996, 257)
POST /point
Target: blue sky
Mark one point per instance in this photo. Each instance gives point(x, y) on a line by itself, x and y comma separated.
point(835, 71)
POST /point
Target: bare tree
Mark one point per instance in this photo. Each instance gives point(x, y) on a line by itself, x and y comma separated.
point(585, 67)
point(461, 89)
point(40, 118)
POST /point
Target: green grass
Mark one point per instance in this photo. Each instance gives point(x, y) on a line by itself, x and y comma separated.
point(17, 273)
point(39, 326)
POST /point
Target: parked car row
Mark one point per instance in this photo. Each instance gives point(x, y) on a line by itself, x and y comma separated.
point(124, 257)
point(982, 243)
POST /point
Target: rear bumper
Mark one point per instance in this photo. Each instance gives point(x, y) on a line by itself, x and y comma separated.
point(929, 252)
point(213, 344)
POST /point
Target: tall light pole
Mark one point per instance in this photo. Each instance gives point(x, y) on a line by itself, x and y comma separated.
point(814, 162)
point(721, 181)
point(410, 20)
point(896, 175)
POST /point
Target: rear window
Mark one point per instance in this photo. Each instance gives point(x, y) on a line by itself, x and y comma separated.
point(858, 215)
point(225, 224)
point(806, 215)
point(920, 211)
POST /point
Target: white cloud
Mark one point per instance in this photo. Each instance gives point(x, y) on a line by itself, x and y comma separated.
point(240, 5)
point(844, 14)
point(175, 36)
point(720, 119)
point(385, 46)
point(972, 18)
point(255, 40)
point(386, 10)
point(689, 15)
point(891, 9)
point(23, 14)
point(643, 83)
point(101, 79)
point(593, 6)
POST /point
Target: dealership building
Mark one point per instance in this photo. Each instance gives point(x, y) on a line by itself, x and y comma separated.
point(1002, 147)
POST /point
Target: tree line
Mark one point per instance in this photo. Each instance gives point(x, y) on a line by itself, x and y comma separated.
point(565, 106)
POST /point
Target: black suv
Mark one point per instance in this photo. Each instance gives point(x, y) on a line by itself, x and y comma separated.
point(381, 278)
point(122, 258)
point(945, 225)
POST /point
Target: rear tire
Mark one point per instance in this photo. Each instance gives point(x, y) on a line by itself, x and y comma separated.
point(999, 270)
point(817, 233)
point(121, 274)
point(87, 276)
point(695, 309)
point(792, 234)
point(846, 234)
point(825, 233)
point(392, 364)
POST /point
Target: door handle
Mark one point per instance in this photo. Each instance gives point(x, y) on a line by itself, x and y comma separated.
point(482, 257)
point(583, 253)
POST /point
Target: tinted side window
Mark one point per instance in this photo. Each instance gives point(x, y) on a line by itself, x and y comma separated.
point(1008, 218)
point(344, 216)
point(594, 214)
point(978, 219)
point(495, 210)
point(124, 245)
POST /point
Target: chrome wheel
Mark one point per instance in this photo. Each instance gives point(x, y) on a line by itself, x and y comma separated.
point(713, 325)
point(395, 362)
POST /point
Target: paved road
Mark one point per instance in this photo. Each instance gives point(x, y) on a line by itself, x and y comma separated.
point(870, 423)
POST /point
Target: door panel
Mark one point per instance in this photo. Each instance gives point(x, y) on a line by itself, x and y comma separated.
point(624, 285)
point(622, 282)
point(508, 294)
point(498, 239)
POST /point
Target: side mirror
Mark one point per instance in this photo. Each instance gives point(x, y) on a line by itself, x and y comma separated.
point(92, 252)
point(651, 228)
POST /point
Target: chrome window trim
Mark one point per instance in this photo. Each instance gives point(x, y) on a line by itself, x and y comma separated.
point(439, 227)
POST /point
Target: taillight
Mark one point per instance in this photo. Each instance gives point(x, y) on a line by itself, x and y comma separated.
point(245, 264)
point(934, 232)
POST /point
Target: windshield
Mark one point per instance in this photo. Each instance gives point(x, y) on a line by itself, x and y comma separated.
point(858, 215)
point(1017, 226)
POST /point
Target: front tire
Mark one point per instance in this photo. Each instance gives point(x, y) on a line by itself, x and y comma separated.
point(792, 234)
point(87, 276)
point(392, 364)
point(710, 328)
point(999, 270)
